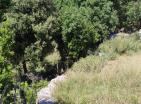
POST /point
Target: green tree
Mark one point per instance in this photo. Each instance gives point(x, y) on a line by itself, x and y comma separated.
point(128, 12)
point(134, 15)
point(33, 27)
point(25, 35)
point(84, 23)
point(6, 68)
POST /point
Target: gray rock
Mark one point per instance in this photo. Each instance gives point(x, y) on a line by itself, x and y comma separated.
point(45, 95)
point(47, 102)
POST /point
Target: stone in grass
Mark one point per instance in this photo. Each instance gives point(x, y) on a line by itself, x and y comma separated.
point(47, 102)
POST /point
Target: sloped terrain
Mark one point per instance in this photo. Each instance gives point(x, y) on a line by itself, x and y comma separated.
point(118, 82)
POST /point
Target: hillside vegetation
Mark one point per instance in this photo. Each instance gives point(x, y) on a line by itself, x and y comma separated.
point(41, 39)
point(95, 81)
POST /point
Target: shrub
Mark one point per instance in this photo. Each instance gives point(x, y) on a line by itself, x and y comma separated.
point(31, 90)
point(53, 58)
point(29, 35)
point(133, 14)
point(7, 74)
point(84, 23)
point(39, 84)
point(129, 16)
point(120, 45)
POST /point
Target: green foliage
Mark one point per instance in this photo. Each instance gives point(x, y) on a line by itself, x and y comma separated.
point(53, 58)
point(134, 14)
point(38, 35)
point(85, 23)
point(30, 93)
point(6, 68)
point(6, 39)
point(39, 84)
point(33, 28)
point(129, 15)
point(77, 30)
point(31, 90)
point(4, 4)
point(7, 78)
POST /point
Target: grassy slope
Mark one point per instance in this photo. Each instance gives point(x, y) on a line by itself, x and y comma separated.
point(117, 82)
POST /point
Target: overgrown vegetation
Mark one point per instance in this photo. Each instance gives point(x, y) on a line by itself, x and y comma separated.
point(108, 50)
point(114, 82)
point(40, 39)
point(119, 46)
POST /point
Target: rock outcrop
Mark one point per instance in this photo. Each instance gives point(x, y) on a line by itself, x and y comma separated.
point(45, 95)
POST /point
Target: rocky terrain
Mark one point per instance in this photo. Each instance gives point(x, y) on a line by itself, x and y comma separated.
point(44, 96)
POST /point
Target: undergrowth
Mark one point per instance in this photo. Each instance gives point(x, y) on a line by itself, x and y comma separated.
point(93, 80)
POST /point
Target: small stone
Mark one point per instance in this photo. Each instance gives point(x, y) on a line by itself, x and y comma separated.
point(47, 102)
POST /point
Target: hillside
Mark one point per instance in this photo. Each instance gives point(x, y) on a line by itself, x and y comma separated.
point(118, 82)
point(82, 39)
point(112, 77)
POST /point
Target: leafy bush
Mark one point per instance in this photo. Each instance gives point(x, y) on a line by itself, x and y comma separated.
point(6, 40)
point(7, 74)
point(31, 90)
point(39, 84)
point(29, 93)
point(133, 14)
point(32, 24)
point(84, 23)
point(22, 92)
point(129, 16)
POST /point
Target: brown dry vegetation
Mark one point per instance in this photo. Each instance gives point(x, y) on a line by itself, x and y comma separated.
point(118, 82)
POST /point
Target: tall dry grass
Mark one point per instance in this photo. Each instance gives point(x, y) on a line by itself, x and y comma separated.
point(119, 82)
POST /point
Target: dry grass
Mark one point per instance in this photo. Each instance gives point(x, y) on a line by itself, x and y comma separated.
point(89, 64)
point(119, 82)
point(119, 46)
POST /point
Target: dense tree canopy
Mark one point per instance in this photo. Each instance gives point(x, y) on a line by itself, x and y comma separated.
point(128, 12)
point(32, 26)
point(84, 23)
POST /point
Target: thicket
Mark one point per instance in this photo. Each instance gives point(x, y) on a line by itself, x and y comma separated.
point(40, 38)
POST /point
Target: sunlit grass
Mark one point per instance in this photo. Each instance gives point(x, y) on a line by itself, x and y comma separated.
point(119, 82)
